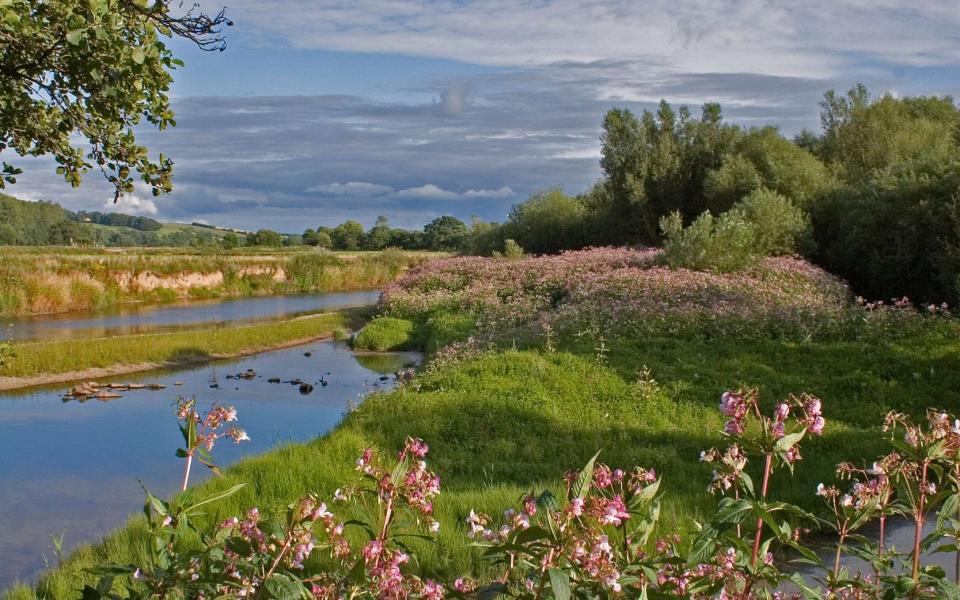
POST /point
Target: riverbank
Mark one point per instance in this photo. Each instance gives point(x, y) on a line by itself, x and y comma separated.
point(53, 280)
point(57, 361)
point(510, 412)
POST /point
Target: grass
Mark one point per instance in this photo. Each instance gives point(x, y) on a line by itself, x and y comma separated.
point(505, 422)
point(48, 280)
point(61, 356)
point(385, 333)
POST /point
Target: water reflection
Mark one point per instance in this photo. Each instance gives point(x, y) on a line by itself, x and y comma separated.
point(72, 467)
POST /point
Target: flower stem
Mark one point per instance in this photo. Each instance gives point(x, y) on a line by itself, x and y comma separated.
point(918, 525)
point(836, 557)
point(186, 472)
point(880, 543)
point(767, 466)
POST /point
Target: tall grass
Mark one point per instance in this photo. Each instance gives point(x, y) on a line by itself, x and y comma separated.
point(61, 356)
point(60, 280)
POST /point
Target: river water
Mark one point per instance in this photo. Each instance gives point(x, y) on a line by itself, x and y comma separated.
point(146, 318)
point(71, 468)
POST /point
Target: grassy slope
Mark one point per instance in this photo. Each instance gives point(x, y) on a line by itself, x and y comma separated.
point(506, 422)
point(58, 356)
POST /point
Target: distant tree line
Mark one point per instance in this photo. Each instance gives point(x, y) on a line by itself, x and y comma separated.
point(119, 220)
point(444, 233)
point(874, 197)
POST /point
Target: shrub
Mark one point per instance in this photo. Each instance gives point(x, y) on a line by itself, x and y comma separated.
point(720, 244)
point(511, 251)
point(779, 226)
point(548, 222)
point(445, 328)
point(385, 333)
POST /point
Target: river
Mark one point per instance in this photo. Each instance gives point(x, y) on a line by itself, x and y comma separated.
point(147, 318)
point(71, 468)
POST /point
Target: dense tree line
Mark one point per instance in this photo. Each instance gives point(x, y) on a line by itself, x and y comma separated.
point(874, 197)
point(119, 220)
point(444, 233)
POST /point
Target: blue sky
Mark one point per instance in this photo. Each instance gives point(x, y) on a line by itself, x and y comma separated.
point(322, 111)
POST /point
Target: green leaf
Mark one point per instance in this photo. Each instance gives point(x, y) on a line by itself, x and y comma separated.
point(732, 511)
point(789, 441)
point(74, 36)
point(137, 55)
point(560, 582)
point(233, 490)
point(282, 587)
point(584, 481)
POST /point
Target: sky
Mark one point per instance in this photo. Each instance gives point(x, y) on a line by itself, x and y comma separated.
point(318, 111)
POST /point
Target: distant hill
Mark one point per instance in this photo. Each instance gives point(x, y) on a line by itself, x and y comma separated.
point(25, 223)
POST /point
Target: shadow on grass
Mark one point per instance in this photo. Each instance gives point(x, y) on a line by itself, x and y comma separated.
point(189, 355)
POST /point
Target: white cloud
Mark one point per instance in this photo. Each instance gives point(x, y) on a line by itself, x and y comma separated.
point(504, 192)
point(428, 192)
point(818, 38)
point(132, 204)
point(351, 188)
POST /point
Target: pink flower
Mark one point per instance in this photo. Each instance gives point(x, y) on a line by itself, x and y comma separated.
point(783, 411)
point(733, 427)
point(576, 507)
point(417, 447)
point(615, 512)
point(432, 591)
point(530, 505)
point(778, 429)
point(238, 435)
point(602, 477)
point(729, 402)
point(372, 551)
point(364, 459)
point(816, 427)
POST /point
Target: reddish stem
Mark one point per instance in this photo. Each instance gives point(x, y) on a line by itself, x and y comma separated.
point(767, 467)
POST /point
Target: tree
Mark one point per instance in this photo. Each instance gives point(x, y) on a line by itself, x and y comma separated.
point(380, 235)
point(309, 237)
point(658, 164)
point(265, 237)
point(348, 235)
point(93, 69)
point(484, 238)
point(861, 137)
point(323, 239)
point(764, 158)
point(445, 233)
point(229, 241)
point(549, 221)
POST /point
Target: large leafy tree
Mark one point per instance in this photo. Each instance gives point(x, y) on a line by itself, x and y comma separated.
point(92, 70)
point(657, 164)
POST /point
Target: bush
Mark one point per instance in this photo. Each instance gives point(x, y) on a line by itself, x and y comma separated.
point(511, 251)
point(386, 333)
point(445, 328)
point(548, 222)
point(779, 226)
point(720, 244)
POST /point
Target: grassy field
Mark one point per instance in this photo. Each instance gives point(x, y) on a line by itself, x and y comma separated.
point(502, 422)
point(49, 358)
point(47, 280)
